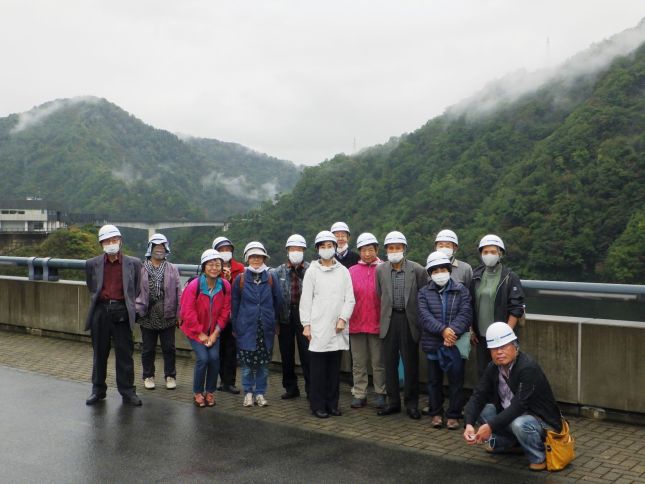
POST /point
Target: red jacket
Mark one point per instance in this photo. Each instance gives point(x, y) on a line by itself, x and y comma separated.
point(236, 269)
point(197, 312)
point(367, 311)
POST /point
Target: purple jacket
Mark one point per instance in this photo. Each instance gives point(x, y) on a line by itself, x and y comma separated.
point(171, 289)
point(436, 313)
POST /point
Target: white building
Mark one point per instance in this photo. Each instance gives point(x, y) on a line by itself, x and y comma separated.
point(29, 215)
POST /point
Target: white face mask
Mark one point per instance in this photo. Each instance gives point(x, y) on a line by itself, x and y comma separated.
point(111, 249)
point(490, 260)
point(446, 250)
point(296, 257)
point(441, 278)
point(226, 256)
point(395, 257)
point(326, 254)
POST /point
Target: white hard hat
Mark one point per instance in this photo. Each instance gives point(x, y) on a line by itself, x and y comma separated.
point(436, 259)
point(366, 239)
point(209, 254)
point(157, 239)
point(340, 227)
point(296, 240)
point(254, 248)
point(395, 237)
point(325, 236)
point(499, 334)
point(447, 236)
point(491, 239)
point(108, 231)
point(220, 242)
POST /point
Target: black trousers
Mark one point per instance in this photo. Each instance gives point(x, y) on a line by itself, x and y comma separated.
point(325, 380)
point(149, 346)
point(227, 356)
point(110, 323)
point(290, 335)
point(399, 341)
point(455, 390)
point(483, 356)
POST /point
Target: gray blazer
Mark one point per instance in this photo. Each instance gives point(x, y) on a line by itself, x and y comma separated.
point(415, 278)
point(94, 280)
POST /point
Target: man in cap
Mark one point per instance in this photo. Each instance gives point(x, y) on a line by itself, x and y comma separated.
point(290, 328)
point(513, 401)
point(397, 283)
point(448, 243)
point(344, 254)
point(113, 282)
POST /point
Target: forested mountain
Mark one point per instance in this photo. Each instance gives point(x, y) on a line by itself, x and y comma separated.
point(558, 172)
point(91, 156)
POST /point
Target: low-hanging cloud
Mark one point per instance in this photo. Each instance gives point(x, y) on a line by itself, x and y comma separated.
point(38, 114)
point(516, 84)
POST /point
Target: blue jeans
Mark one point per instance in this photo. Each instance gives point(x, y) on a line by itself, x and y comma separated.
point(206, 366)
point(526, 430)
point(255, 380)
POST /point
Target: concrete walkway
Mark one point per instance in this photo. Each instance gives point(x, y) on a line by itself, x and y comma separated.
point(607, 452)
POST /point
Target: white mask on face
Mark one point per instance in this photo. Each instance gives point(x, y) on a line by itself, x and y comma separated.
point(326, 254)
point(296, 257)
point(441, 278)
point(111, 249)
point(490, 260)
point(446, 250)
point(226, 256)
point(395, 257)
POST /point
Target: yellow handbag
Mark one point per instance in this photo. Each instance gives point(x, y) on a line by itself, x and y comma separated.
point(560, 448)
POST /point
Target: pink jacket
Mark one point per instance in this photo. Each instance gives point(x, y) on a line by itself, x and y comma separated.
point(199, 315)
point(367, 311)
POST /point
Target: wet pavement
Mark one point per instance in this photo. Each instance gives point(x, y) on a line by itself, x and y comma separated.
point(46, 428)
point(50, 435)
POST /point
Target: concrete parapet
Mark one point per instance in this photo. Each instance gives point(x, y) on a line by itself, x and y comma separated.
point(589, 362)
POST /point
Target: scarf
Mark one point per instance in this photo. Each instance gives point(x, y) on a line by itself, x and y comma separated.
point(155, 278)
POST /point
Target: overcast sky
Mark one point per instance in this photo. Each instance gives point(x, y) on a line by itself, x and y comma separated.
point(296, 79)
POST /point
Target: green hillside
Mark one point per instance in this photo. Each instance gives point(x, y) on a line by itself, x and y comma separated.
point(558, 173)
point(92, 156)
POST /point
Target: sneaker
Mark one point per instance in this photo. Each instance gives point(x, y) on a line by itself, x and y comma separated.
point(210, 399)
point(261, 401)
point(358, 402)
point(538, 467)
point(149, 383)
point(248, 400)
point(379, 402)
point(171, 383)
point(437, 422)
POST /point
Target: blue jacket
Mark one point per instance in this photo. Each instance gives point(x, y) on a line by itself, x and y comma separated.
point(437, 311)
point(252, 303)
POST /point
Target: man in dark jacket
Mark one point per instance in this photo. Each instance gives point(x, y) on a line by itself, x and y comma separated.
point(344, 254)
point(513, 401)
point(496, 293)
point(113, 282)
point(290, 333)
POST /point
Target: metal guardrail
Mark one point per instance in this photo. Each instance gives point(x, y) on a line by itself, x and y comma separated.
point(46, 269)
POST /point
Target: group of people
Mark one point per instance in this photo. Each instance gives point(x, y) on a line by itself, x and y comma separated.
point(382, 311)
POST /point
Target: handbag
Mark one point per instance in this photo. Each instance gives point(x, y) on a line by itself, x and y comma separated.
point(463, 345)
point(560, 448)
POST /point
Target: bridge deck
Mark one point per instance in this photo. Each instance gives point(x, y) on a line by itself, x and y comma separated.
point(607, 452)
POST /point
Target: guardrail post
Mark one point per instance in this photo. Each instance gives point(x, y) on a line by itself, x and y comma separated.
point(35, 273)
point(49, 273)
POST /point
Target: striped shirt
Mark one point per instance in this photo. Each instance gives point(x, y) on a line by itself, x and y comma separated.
point(398, 289)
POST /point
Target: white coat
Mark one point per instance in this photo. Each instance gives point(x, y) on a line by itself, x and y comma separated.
point(327, 294)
